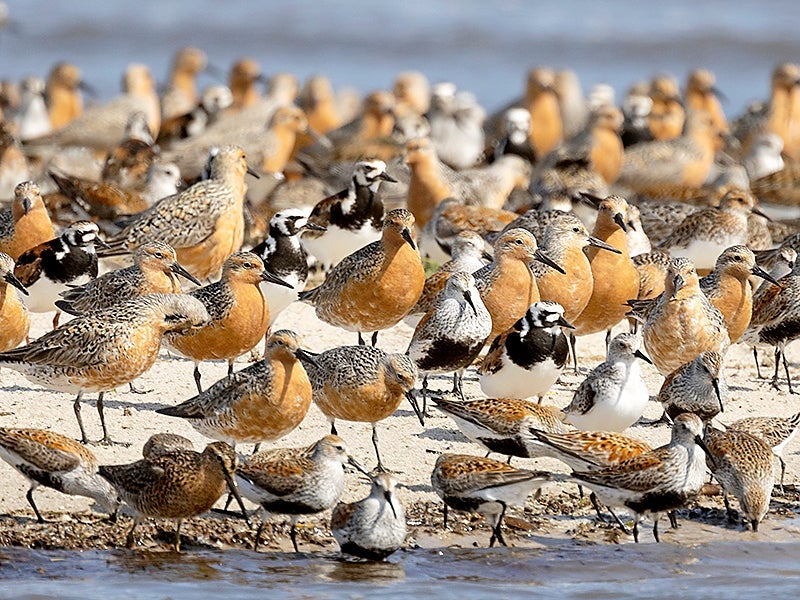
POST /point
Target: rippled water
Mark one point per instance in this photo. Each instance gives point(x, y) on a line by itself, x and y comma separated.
point(483, 46)
point(648, 570)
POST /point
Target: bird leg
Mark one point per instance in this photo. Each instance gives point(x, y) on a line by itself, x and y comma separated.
point(29, 496)
point(197, 378)
point(496, 532)
point(135, 390)
point(258, 534)
point(380, 468)
point(774, 382)
point(786, 369)
point(333, 427)
point(77, 408)
point(656, 517)
point(458, 384)
point(256, 448)
point(728, 510)
point(444, 526)
point(636, 529)
point(758, 367)
point(783, 470)
point(608, 340)
point(129, 541)
point(360, 340)
point(572, 340)
point(56, 318)
point(230, 367)
point(293, 534)
point(425, 397)
point(177, 539)
point(374, 339)
point(673, 519)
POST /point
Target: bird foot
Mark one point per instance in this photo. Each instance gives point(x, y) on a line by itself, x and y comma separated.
point(134, 390)
point(108, 442)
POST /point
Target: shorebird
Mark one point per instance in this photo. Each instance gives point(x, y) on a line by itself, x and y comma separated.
point(468, 255)
point(684, 161)
point(374, 527)
point(351, 218)
point(638, 241)
point(363, 384)
point(176, 485)
point(432, 181)
point(697, 387)
point(541, 100)
point(456, 126)
point(56, 461)
point(667, 116)
point(155, 270)
point(742, 463)
point(575, 108)
point(318, 99)
point(412, 92)
point(285, 257)
point(484, 486)
point(103, 125)
point(26, 224)
point(776, 432)
point(205, 223)
point(373, 288)
point(681, 323)
point(499, 424)
point(244, 75)
point(764, 158)
point(615, 279)
point(516, 128)
point(652, 268)
point(451, 217)
point(507, 284)
point(104, 349)
point(32, 119)
point(584, 451)
point(15, 321)
point(100, 200)
point(48, 269)
point(128, 162)
point(613, 396)
point(238, 310)
point(526, 360)
point(14, 165)
point(296, 481)
point(164, 443)
point(63, 94)
point(703, 235)
point(260, 403)
point(653, 482)
point(181, 94)
point(563, 239)
point(774, 320)
point(452, 333)
point(702, 94)
point(213, 102)
point(728, 287)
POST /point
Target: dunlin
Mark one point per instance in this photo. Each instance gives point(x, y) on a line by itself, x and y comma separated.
point(696, 387)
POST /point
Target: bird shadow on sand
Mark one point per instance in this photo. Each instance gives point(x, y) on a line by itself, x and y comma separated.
point(443, 435)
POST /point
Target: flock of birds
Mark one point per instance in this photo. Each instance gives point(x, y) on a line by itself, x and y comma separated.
point(558, 217)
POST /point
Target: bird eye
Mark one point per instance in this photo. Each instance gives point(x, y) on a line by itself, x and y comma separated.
point(248, 265)
point(576, 229)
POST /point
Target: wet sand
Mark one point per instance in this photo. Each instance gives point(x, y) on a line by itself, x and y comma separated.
point(411, 450)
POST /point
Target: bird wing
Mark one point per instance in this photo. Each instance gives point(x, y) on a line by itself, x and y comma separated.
point(41, 456)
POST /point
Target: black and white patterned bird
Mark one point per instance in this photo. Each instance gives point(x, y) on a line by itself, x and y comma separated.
point(527, 359)
point(352, 218)
point(51, 267)
point(285, 257)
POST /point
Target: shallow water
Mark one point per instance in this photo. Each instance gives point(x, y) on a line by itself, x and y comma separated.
point(628, 571)
point(486, 47)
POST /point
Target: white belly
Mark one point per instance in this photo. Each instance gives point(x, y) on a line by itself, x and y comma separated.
point(614, 412)
point(513, 381)
point(279, 297)
point(44, 293)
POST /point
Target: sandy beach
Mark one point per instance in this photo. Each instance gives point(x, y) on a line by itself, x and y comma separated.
point(407, 448)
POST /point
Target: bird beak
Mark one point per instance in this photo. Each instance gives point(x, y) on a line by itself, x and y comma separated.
point(759, 272)
point(235, 491)
point(760, 213)
point(83, 86)
point(715, 383)
point(593, 241)
point(486, 256)
point(314, 226)
point(412, 400)
point(564, 323)
point(386, 177)
point(699, 441)
point(26, 205)
point(215, 71)
point(101, 242)
point(468, 298)
point(250, 171)
point(643, 356)
point(718, 93)
point(677, 284)
point(179, 270)
point(356, 465)
point(406, 233)
point(323, 141)
point(590, 199)
point(388, 495)
point(543, 258)
point(306, 356)
point(11, 278)
point(269, 277)
point(619, 219)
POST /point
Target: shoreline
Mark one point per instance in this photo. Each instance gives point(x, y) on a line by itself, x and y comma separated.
point(406, 447)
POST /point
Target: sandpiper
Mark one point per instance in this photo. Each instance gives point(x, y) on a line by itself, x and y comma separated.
point(696, 387)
